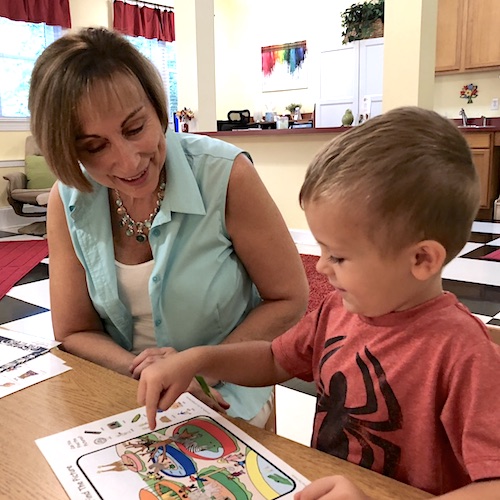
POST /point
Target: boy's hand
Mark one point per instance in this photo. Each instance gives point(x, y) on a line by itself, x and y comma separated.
point(164, 380)
point(331, 488)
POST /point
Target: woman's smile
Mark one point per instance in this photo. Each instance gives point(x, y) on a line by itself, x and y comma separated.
point(121, 142)
point(136, 180)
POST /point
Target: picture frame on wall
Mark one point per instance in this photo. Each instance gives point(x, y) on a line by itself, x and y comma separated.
point(284, 67)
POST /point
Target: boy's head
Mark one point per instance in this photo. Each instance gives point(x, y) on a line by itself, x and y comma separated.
point(407, 175)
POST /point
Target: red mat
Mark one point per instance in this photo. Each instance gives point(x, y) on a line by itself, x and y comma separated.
point(493, 255)
point(17, 259)
point(318, 283)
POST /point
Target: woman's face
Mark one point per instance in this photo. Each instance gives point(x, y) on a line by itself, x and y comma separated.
point(121, 142)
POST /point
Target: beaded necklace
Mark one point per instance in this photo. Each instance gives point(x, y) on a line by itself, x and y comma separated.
point(138, 228)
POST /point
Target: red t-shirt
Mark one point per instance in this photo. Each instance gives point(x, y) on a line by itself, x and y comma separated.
point(414, 395)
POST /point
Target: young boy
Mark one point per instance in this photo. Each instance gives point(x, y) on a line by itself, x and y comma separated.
point(407, 379)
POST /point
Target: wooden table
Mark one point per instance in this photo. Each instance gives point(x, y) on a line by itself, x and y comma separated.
point(90, 392)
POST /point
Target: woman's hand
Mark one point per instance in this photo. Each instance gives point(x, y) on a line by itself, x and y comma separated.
point(215, 401)
point(164, 376)
point(331, 488)
point(148, 357)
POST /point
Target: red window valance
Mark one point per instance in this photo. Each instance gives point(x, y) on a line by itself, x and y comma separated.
point(52, 12)
point(136, 20)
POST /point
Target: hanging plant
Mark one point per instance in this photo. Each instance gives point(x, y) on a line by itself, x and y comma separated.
point(363, 20)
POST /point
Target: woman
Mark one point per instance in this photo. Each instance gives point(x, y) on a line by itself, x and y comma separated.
point(156, 240)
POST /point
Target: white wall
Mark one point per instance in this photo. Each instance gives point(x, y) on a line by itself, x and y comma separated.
point(242, 27)
point(447, 89)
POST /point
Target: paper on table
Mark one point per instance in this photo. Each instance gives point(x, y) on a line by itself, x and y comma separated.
point(17, 348)
point(193, 453)
point(30, 373)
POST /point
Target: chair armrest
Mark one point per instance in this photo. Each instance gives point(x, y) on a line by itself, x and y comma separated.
point(17, 180)
point(43, 199)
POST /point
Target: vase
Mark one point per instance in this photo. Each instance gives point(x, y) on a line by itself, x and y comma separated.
point(185, 126)
point(348, 118)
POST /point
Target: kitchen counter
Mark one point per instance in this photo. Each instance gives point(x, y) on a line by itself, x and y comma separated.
point(330, 130)
point(281, 156)
point(476, 125)
point(257, 132)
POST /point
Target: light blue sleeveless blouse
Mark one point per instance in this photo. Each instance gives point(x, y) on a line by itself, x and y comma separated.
point(199, 289)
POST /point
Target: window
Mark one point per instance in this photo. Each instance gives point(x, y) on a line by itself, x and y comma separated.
point(163, 56)
point(20, 45)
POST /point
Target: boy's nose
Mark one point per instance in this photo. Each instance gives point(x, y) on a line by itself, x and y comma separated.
point(321, 266)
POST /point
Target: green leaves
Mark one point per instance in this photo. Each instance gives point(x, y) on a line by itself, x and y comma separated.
point(291, 107)
point(359, 20)
point(203, 384)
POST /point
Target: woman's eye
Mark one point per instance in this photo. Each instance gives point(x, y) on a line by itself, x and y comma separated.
point(335, 260)
point(134, 131)
point(95, 149)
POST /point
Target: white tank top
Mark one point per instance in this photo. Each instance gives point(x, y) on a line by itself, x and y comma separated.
point(133, 292)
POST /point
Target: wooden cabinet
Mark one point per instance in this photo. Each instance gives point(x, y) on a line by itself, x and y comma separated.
point(482, 47)
point(467, 36)
point(486, 160)
point(481, 158)
point(449, 35)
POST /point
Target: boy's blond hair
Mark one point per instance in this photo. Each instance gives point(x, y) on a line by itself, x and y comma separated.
point(408, 172)
point(64, 74)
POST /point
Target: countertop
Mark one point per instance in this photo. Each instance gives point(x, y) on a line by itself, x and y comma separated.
point(276, 132)
point(475, 126)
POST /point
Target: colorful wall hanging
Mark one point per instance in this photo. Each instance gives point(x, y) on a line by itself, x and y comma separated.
point(469, 92)
point(284, 67)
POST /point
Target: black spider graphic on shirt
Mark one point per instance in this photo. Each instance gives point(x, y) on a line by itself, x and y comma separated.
point(340, 421)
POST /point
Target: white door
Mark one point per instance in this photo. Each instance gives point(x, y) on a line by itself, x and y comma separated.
point(371, 74)
point(338, 85)
point(350, 77)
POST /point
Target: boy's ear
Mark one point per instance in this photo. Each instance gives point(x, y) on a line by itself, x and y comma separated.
point(428, 257)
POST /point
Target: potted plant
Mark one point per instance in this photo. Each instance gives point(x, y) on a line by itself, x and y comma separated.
point(291, 108)
point(185, 115)
point(363, 20)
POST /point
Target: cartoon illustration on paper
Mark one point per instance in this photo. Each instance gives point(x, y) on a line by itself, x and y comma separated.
point(197, 459)
point(194, 454)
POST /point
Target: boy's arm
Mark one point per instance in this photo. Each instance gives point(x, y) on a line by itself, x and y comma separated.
point(480, 490)
point(339, 488)
point(244, 363)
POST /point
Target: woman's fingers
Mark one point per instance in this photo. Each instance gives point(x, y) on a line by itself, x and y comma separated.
point(148, 357)
point(217, 402)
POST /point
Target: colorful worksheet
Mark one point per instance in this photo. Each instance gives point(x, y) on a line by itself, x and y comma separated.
point(30, 373)
point(25, 360)
point(194, 453)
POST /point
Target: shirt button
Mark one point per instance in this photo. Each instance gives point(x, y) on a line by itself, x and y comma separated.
point(156, 232)
point(158, 322)
point(156, 279)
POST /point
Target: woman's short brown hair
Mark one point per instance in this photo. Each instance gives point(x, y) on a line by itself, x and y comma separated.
point(409, 173)
point(66, 71)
